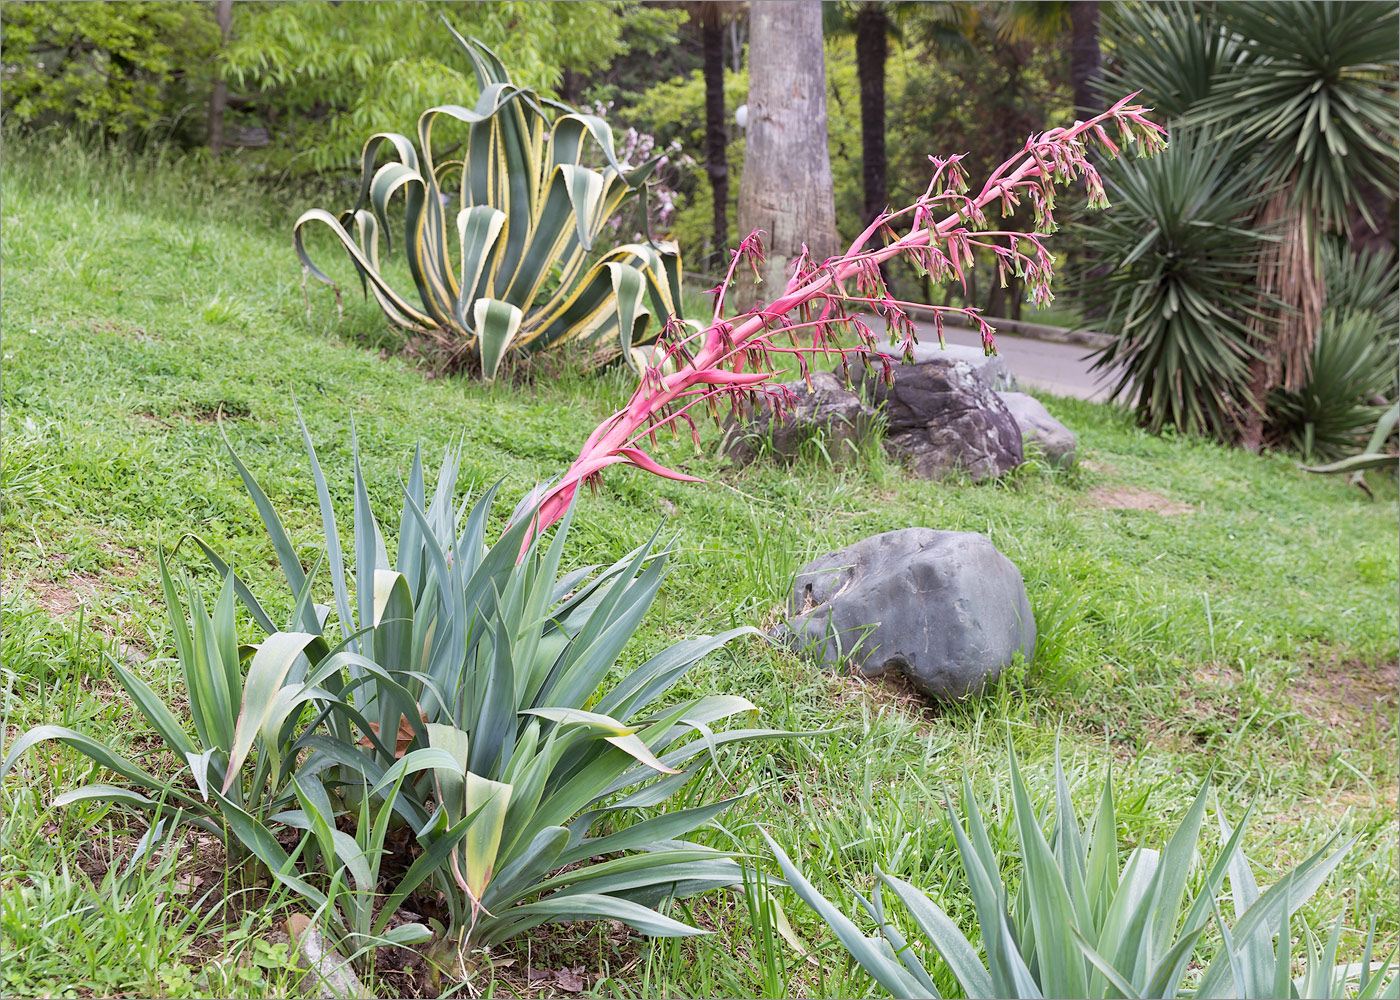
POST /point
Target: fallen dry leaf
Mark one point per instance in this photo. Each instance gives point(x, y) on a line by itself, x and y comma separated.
point(405, 735)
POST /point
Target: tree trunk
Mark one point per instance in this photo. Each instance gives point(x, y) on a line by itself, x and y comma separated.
point(571, 86)
point(1292, 294)
point(786, 188)
point(1084, 54)
point(872, 49)
point(218, 99)
point(716, 132)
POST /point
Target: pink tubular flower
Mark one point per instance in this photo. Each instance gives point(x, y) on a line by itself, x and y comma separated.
point(732, 357)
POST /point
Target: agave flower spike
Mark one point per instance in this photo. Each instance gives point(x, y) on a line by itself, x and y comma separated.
point(719, 354)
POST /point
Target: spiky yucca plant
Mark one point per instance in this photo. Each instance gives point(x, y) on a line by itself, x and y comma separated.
point(1179, 289)
point(529, 211)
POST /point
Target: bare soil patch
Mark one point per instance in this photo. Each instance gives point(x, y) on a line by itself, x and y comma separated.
point(63, 597)
point(1135, 498)
point(1347, 695)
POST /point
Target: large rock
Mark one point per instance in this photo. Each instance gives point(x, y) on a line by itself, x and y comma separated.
point(1055, 440)
point(827, 410)
point(991, 369)
point(943, 608)
point(944, 418)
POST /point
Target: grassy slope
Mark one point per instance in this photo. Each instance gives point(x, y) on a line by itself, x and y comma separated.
point(1253, 634)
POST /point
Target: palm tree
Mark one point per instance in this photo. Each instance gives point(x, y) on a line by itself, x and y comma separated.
point(709, 18)
point(1315, 98)
point(873, 27)
point(1047, 21)
point(1300, 101)
point(786, 188)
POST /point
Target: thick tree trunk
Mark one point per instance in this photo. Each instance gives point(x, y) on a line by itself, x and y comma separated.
point(1292, 295)
point(218, 99)
point(1084, 54)
point(716, 132)
point(786, 186)
point(872, 49)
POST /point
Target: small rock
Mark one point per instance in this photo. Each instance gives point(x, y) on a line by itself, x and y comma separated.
point(944, 418)
point(944, 608)
point(332, 977)
point(827, 410)
point(1056, 441)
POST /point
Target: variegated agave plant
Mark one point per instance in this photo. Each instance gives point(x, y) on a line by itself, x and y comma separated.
point(529, 213)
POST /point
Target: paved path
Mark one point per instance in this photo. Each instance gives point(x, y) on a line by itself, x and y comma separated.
point(1062, 369)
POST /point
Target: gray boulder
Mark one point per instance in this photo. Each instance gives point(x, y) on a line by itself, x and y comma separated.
point(827, 410)
point(943, 608)
point(943, 418)
point(993, 370)
point(1055, 440)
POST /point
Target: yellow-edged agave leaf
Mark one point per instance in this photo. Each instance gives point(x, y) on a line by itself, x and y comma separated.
point(265, 704)
point(530, 212)
point(496, 326)
point(483, 839)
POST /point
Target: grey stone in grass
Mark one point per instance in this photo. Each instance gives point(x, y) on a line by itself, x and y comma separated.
point(943, 608)
point(944, 418)
point(827, 412)
point(993, 370)
point(1056, 441)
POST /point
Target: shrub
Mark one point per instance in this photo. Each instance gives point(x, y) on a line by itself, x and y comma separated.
point(121, 68)
point(1174, 267)
point(466, 692)
point(1079, 926)
point(530, 210)
point(1335, 410)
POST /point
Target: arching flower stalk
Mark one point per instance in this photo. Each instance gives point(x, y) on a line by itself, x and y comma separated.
point(733, 358)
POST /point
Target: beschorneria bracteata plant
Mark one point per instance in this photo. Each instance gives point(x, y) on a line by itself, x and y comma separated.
point(731, 357)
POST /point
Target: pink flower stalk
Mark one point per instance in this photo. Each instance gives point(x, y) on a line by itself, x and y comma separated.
point(732, 357)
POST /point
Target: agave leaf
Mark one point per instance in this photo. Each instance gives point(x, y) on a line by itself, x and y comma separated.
point(264, 706)
point(245, 594)
point(582, 906)
point(1103, 966)
point(1101, 871)
point(162, 720)
point(643, 684)
point(886, 972)
point(943, 934)
point(649, 831)
point(98, 752)
point(423, 868)
point(272, 524)
point(1356, 463)
point(895, 947)
point(496, 324)
point(1286, 895)
point(105, 794)
point(336, 845)
point(490, 800)
point(1050, 905)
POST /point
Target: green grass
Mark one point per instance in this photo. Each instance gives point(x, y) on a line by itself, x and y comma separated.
point(1253, 634)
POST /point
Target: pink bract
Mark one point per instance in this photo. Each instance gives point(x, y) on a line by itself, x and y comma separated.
point(731, 357)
